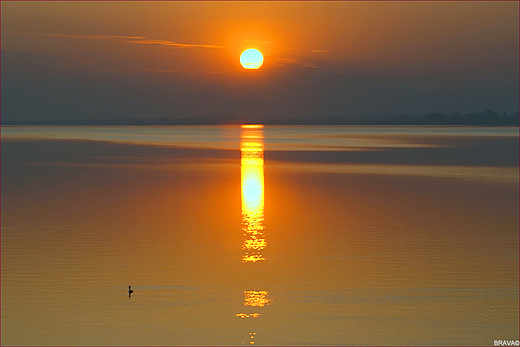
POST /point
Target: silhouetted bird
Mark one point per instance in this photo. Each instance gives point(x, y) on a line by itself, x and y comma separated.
point(130, 291)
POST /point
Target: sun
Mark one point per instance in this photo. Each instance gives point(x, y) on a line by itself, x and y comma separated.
point(251, 59)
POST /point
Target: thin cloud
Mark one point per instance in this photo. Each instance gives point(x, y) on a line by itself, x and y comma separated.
point(305, 64)
point(166, 43)
point(320, 51)
point(292, 61)
point(167, 71)
point(93, 37)
point(134, 40)
point(259, 42)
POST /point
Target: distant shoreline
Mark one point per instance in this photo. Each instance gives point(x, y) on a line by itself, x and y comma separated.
point(487, 118)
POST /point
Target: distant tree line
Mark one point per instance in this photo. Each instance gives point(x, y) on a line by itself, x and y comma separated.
point(487, 118)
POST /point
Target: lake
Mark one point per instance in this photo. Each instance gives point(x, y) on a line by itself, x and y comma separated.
point(275, 235)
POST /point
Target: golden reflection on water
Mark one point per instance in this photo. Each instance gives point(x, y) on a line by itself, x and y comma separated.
point(256, 298)
point(252, 188)
point(247, 315)
point(252, 184)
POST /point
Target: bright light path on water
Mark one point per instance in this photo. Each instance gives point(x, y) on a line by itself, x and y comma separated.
point(252, 184)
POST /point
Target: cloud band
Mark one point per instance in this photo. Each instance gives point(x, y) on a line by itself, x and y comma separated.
point(134, 40)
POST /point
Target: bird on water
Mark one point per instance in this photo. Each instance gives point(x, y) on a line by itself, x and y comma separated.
point(130, 291)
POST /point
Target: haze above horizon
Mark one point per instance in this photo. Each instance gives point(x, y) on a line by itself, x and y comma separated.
point(113, 60)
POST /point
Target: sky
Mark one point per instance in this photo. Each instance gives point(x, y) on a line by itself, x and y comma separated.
point(105, 60)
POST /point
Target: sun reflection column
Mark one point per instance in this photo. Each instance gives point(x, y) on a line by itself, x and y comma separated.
point(252, 184)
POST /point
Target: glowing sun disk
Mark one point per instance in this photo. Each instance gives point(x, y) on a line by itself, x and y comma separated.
point(251, 59)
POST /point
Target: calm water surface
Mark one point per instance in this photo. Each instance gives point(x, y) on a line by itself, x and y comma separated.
point(267, 236)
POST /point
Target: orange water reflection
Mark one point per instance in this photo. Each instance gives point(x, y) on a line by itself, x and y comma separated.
point(252, 195)
point(256, 298)
point(253, 298)
point(252, 184)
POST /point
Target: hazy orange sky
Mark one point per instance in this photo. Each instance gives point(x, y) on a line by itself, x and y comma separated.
point(63, 60)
